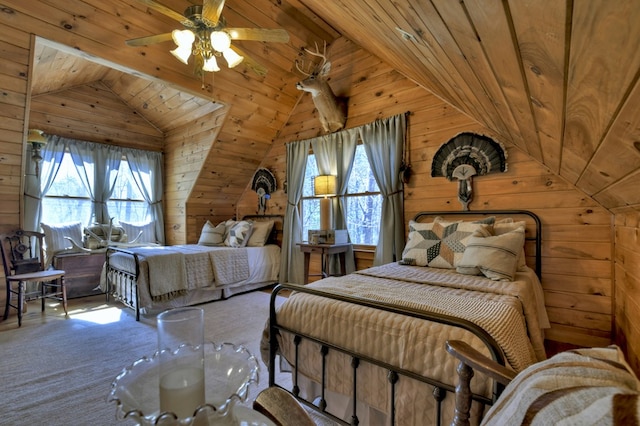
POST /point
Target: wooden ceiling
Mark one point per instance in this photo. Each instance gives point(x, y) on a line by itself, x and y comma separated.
point(558, 79)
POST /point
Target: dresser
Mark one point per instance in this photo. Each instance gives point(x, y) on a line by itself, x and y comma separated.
point(82, 272)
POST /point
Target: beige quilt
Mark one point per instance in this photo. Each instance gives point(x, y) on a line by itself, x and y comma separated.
point(507, 310)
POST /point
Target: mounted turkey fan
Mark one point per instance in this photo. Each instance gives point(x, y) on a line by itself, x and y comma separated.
point(467, 155)
point(207, 37)
point(264, 183)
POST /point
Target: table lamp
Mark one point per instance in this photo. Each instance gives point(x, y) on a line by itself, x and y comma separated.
point(325, 185)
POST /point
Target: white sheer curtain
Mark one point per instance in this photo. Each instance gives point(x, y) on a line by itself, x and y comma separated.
point(291, 258)
point(97, 165)
point(146, 168)
point(383, 141)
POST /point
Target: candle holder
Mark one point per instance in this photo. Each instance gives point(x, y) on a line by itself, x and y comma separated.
point(228, 371)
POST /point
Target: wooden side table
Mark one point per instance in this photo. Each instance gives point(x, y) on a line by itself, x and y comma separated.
point(82, 272)
point(324, 250)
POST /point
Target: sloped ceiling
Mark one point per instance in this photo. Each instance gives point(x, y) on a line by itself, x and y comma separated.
point(558, 79)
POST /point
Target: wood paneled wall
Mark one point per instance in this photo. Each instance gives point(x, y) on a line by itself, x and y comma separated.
point(627, 285)
point(577, 237)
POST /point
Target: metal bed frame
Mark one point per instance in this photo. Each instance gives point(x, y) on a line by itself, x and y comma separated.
point(439, 390)
point(122, 285)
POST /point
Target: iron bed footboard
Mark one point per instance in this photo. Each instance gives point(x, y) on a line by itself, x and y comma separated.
point(439, 391)
point(123, 284)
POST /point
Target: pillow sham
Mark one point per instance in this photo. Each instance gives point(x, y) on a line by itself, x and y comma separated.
point(54, 234)
point(438, 244)
point(494, 256)
point(239, 234)
point(260, 233)
point(212, 235)
point(133, 229)
point(507, 225)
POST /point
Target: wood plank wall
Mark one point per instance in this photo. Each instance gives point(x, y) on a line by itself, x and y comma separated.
point(577, 239)
point(627, 285)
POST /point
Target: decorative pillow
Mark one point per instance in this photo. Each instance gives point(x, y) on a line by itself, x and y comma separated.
point(133, 229)
point(495, 256)
point(260, 233)
point(239, 234)
point(507, 225)
point(54, 240)
point(438, 244)
point(212, 235)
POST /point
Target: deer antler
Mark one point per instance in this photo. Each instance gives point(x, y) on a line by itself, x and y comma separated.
point(317, 53)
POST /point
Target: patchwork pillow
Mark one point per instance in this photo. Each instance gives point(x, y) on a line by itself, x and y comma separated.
point(438, 244)
point(133, 230)
point(495, 256)
point(507, 225)
point(212, 235)
point(260, 233)
point(54, 234)
point(239, 234)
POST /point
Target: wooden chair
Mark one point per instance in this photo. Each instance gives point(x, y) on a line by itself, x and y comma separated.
point(23, 260)
point(588, 385)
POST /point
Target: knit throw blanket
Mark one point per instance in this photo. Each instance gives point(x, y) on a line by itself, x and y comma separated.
point(167, 272)
point(593, 386)
point(230, 266)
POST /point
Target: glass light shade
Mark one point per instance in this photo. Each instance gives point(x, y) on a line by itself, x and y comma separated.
point(36, 136)
point(184, 39)
point(232, 57)
point(211, 65)
point(220, 41)
point(324, 185)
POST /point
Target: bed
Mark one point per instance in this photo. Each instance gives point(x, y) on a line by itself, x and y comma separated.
point(153, 278)
point(369, 347)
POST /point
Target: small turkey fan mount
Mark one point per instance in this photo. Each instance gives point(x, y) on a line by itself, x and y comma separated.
point(467, 155)
point(264, 183)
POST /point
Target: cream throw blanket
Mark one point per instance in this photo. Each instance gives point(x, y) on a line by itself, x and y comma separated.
point(167, 272)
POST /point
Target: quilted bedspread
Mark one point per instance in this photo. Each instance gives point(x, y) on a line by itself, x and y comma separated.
point(509, 311)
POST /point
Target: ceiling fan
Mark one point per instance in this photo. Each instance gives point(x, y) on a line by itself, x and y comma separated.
point(207, 37)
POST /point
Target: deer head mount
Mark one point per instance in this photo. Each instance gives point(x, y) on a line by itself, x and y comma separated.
point(332, 111)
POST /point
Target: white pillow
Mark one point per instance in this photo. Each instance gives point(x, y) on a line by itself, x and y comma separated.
point(54, 240)
point(212, 235)
point(495, 256)
point(260, 233)
point(507, 225)
point(239, 234)
point(133, 229)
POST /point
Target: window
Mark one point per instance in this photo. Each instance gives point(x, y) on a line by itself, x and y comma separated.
point(68, 200)
point(363, 201)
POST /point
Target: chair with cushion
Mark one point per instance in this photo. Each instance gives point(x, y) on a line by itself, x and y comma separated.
point(588, 386)
point(23, 261)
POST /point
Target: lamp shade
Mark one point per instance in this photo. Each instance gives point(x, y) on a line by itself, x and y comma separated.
point(324, 185)
point(36, 136)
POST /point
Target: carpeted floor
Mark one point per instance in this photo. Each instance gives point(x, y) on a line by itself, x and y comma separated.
point(60, 372)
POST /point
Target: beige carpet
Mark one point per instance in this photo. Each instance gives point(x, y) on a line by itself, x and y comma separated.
point(60, 372)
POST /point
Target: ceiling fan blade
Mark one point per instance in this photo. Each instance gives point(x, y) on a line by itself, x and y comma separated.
point(250, 63)
point(259, 34)
point(145, 41)
point(211, 11)
point(168, 12)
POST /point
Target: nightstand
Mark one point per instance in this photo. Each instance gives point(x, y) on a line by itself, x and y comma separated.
point(324, 250)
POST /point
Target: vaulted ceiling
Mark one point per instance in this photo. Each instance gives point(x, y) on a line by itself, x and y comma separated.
point(558, 79)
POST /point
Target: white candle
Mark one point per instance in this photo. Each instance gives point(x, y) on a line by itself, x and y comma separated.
point(182, 391)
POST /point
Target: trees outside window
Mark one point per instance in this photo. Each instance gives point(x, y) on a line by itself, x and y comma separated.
point(363, 201)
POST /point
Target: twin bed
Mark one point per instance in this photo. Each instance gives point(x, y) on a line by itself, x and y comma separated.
point(369, 347)
point(154, 278)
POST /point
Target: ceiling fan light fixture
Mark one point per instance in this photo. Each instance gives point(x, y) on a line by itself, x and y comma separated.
point(184, 40)
point(220, 41)
point(232, 58)
point(211, 65)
